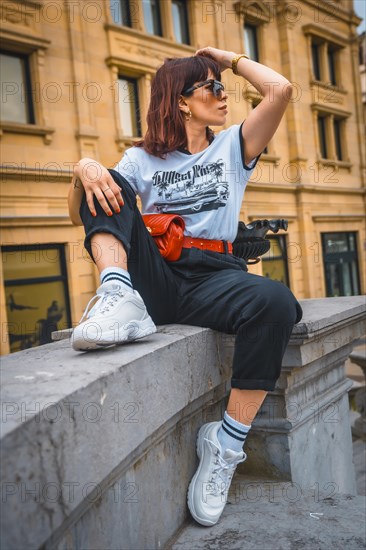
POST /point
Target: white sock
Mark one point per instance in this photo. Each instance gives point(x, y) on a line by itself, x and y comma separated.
point(232, 434)
point(117, 274)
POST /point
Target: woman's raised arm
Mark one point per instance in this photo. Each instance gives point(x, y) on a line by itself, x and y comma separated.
point(263, 121)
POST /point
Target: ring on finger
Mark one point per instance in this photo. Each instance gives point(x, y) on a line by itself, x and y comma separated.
point(106, 189)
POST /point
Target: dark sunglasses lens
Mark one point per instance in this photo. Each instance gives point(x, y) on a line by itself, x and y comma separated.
point(217, 89)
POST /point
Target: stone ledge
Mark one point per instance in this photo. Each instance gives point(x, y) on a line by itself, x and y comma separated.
point(75, 420)
point(327, 313)
point(87, 432)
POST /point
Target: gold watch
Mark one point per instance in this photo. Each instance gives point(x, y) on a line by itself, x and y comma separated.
point(234, 62)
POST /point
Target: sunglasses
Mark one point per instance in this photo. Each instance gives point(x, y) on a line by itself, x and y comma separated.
point(215, 86)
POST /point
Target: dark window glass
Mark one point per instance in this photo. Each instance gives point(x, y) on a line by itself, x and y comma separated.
point(129, 108)
point(341, 264)
point(120, 10)
point(322, 136)
point(315, 55)
point(36, 293)
point(362, 52)
point(332, 66)
point(152, 16)
point(251, 42)
point(337, 124)
point(180, 21)
point(16, 95)
point(275, 260)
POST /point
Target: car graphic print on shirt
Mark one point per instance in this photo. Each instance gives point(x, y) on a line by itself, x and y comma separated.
point(199, 189)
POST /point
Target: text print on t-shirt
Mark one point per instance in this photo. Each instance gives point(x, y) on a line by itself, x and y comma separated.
point(200, 188)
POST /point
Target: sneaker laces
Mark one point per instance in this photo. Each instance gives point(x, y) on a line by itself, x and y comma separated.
point(223, 470)
point(105, 298)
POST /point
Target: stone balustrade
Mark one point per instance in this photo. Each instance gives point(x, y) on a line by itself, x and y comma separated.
point(358, 357)
point(97, 449)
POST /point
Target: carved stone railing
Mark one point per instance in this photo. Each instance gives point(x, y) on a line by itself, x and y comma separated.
point(358, 357)
point(97, 449)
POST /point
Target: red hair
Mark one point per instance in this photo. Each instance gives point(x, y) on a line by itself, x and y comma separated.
point(165, 121)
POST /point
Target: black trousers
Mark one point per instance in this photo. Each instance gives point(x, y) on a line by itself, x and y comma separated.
point(205, 289)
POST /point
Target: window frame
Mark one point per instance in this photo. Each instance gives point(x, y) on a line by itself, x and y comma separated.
point(34, 48)
point(338, 132)
point(135, 82)
point(282, 240)
point(332, 65)
point(63, 277)
point(316, 66)
point(127, 11)
point(257, 50)
point(322, 136)
point(27, 83)
point(157, 18)
point(335, 140)
point(183, 5)
point(347, 257)
point(326, 40)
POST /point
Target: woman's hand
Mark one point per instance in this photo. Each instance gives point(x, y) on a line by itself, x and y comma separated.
point(222, 57)
point(97, 181)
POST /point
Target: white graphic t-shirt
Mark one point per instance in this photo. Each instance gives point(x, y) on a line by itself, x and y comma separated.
point(205, 188)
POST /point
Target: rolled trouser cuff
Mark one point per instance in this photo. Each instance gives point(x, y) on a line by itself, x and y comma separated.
point(266, 385)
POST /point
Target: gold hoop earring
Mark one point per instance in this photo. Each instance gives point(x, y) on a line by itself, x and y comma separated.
point(188, 115)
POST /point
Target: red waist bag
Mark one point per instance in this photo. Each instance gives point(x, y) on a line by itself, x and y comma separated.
point(167, 231)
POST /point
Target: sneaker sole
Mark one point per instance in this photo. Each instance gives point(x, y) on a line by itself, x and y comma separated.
point(134, 330)
point(190, 501)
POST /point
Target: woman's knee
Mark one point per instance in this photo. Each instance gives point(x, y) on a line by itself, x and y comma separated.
point(278, 303)
point(127, 191)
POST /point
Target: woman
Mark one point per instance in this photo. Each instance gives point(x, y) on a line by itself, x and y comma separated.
point(181, 167)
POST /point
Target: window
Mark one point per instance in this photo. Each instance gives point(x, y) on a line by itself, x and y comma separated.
point(180, 21)
point(322, 136)
point(331, 129)
point(152, 16)
point(121, 13)
point(129, 109)
point(324, 61)
point(275, 260)
point(340, 264)
point(362, 49)
point(337, 126)
point(36, 293)
point(251, 42)
point(16, 96)
point(315, 55)
point(332, 66)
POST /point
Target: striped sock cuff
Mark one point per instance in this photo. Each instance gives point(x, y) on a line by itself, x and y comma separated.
point(116, 276)
point(234, 429)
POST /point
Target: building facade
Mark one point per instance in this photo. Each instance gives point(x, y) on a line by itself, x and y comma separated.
point(75, 83)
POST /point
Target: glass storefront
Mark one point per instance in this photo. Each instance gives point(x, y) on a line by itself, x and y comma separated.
point(36, 294)
point(340, 264)
point(275, 260)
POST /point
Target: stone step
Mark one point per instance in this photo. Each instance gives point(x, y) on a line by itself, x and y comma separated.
point(281, 516)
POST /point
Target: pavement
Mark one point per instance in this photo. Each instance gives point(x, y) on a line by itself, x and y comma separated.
point(280, 516)
point(359, 460)
point(272, 515)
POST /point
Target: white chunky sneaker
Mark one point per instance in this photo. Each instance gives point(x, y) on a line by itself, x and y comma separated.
point(208, 490)
point(117, 316)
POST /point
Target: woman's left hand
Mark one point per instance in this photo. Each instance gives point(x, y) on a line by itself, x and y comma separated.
point(222, 57)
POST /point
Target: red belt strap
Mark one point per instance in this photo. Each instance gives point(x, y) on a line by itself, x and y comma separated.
point(208, 244)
